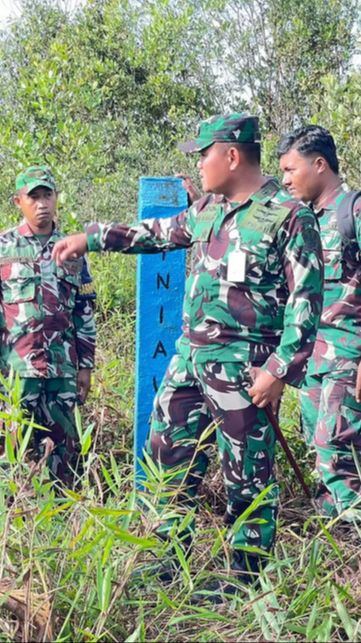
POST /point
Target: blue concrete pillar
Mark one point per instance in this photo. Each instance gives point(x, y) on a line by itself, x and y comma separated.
point(160, 290)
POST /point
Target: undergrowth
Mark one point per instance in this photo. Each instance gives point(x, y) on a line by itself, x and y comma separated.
point(81, 564)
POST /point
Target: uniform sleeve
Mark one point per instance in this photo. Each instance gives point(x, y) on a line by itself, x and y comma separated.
point(357, 218)
point(83, 317)
point(3, 338)
point(4, 367)
point(147, 236)
point(299, 247)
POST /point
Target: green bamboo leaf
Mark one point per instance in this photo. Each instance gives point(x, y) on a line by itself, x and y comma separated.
point(58, 510)
point(106, 588)
point(86, 439)
point(131, 511)
point(107, 477)
point(166, 600)
point(24, 443)
point(115, 470)
point(9, 448)
point(218, 542)
point(311, 622)
point(331, 540)
point(99, 581)
point(43, 512)
point(251, 508)
point(184, 564)
point(252, 549)
point(103, 511)
point(78, 425)
point(126, 537)
point(87, 548)
point(323, 631)
point(138, 636)
point(107, 549)
point(200, 615)
point(348, 623)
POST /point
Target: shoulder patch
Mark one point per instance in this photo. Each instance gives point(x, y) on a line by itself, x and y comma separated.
point(311, 240)
point(87, 289)
point(265, 218)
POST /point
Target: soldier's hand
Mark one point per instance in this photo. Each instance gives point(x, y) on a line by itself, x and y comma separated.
point(83, 384)
point(193, 192)
point(70, 247)
point(265, 389)
point(358, 384)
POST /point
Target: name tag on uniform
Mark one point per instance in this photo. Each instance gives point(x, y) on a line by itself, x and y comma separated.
point(236, 270)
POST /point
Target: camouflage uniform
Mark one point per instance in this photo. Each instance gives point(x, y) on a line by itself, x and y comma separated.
point(48, 334)
point(331, 417)
point(267, 317)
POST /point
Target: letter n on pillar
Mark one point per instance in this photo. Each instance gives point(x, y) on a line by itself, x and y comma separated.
point(160, 290)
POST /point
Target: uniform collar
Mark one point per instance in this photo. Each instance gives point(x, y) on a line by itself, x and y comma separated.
point(330, 201)
point(24, 230)
point(266, 192)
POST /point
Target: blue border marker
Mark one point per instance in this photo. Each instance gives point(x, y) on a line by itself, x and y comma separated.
point(160, 291)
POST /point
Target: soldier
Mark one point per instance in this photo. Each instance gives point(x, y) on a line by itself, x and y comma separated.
point(49, 329)
point(253, 300)
point(331, 394)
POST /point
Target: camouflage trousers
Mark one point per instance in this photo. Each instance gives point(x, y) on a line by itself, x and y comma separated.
point(192, 397)
point(331, 423)
point(51, 402)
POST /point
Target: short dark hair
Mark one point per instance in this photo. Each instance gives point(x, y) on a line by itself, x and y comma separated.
point(311, 139)
point(252, 151)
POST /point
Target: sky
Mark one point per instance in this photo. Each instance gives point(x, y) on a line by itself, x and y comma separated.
point(8, 9)
point(12, 8)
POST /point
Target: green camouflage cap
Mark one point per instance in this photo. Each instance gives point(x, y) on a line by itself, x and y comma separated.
point(237, 127)
point(34, 177)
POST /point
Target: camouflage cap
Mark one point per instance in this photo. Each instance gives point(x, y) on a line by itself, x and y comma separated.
point(34, 177)
point(236, 127)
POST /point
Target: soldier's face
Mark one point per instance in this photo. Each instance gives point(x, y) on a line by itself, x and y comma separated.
point(38, 208)
point(214, 170)
point(302, 175)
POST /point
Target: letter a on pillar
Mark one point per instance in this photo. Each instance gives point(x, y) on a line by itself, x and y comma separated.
point(160, 290)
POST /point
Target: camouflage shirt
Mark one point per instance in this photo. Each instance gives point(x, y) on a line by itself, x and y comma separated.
point(47, 320)
point(338, 343)
point(254, 292)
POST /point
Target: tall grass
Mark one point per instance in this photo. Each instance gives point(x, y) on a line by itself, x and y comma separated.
point(81, 564)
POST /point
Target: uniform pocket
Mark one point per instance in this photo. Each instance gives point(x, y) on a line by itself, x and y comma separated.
point(202, 230)
point(256, 261)
point(18, 282)
point(68, 284)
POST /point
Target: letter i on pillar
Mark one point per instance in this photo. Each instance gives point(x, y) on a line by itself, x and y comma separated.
point(160, 290)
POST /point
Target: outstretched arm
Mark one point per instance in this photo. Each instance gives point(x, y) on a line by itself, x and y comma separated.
point(70, 248)
point(147, 236)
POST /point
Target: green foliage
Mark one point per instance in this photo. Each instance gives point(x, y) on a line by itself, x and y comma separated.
point(98, 96)
point(284, 48)
point(102, 95)
point(90, 556)
point(340, 113)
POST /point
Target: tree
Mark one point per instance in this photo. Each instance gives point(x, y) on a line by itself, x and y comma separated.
point(279, 50)
point(99, 94)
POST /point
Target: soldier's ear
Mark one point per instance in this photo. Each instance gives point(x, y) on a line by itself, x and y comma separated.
point(320, 164)
point(16, 200)
point(234, 157)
